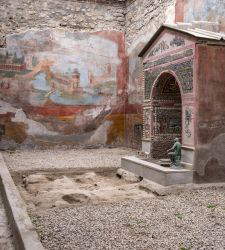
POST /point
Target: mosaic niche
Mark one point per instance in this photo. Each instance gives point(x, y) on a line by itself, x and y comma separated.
point(164, 45)
point(183, 70)
point(166, 89)
point(169, 58)
point(166, 122)
point(160, 144)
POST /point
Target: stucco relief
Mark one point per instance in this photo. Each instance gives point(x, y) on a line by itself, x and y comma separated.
point(187, 120)
point(188, 124)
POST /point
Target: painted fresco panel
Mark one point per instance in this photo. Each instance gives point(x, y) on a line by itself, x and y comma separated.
point(61, 83)
point(61, 68)
point(204, 10)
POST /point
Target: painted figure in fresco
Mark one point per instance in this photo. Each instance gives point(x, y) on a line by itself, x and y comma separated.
point(175, 154)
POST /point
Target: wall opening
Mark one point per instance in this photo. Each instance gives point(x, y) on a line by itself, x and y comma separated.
point(166, 120)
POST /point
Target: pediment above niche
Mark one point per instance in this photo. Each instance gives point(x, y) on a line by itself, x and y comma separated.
point(168, 41)
point(170, 38)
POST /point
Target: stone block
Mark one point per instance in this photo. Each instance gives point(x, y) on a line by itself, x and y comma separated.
point(146, 146)
point(187, 155)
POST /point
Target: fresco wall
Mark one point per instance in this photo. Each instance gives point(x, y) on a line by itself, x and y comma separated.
point(201, 10)
point(210, 124)
point(61, 87)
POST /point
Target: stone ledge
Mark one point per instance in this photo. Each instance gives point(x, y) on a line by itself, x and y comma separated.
point(24, 232)
point(156, 173)
point(160, 190)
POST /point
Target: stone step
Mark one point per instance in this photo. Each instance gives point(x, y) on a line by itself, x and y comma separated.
point(187, 165)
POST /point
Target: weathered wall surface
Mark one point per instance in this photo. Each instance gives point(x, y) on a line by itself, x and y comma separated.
point(61, 87)
point(74, 15)
point(143, 18)
point(201, 10)
point(210, 125)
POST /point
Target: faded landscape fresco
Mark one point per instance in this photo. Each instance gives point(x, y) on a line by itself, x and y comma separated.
point(63, 85)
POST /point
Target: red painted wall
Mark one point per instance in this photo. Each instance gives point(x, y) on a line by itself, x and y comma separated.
point(210, 112)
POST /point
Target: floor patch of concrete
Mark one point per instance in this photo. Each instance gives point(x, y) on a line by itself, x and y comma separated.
point(47, 190)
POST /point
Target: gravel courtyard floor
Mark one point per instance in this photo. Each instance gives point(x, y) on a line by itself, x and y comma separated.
point(194, 220)
point(64, 159)
point(189, 220)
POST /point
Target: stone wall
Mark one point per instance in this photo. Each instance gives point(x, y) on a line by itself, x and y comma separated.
point(145, 16)
point(76, 15)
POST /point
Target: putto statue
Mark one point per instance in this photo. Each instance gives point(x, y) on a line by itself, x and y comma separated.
point(175, 154)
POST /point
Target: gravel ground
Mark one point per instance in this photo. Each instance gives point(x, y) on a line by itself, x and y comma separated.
point(191, 220)
point(74, 158)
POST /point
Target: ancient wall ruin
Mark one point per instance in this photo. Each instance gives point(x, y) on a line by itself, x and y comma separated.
point(143, 18)
point(119, 29)
point(20, 17)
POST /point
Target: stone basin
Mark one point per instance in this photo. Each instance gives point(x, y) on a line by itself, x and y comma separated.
point(162, 175)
